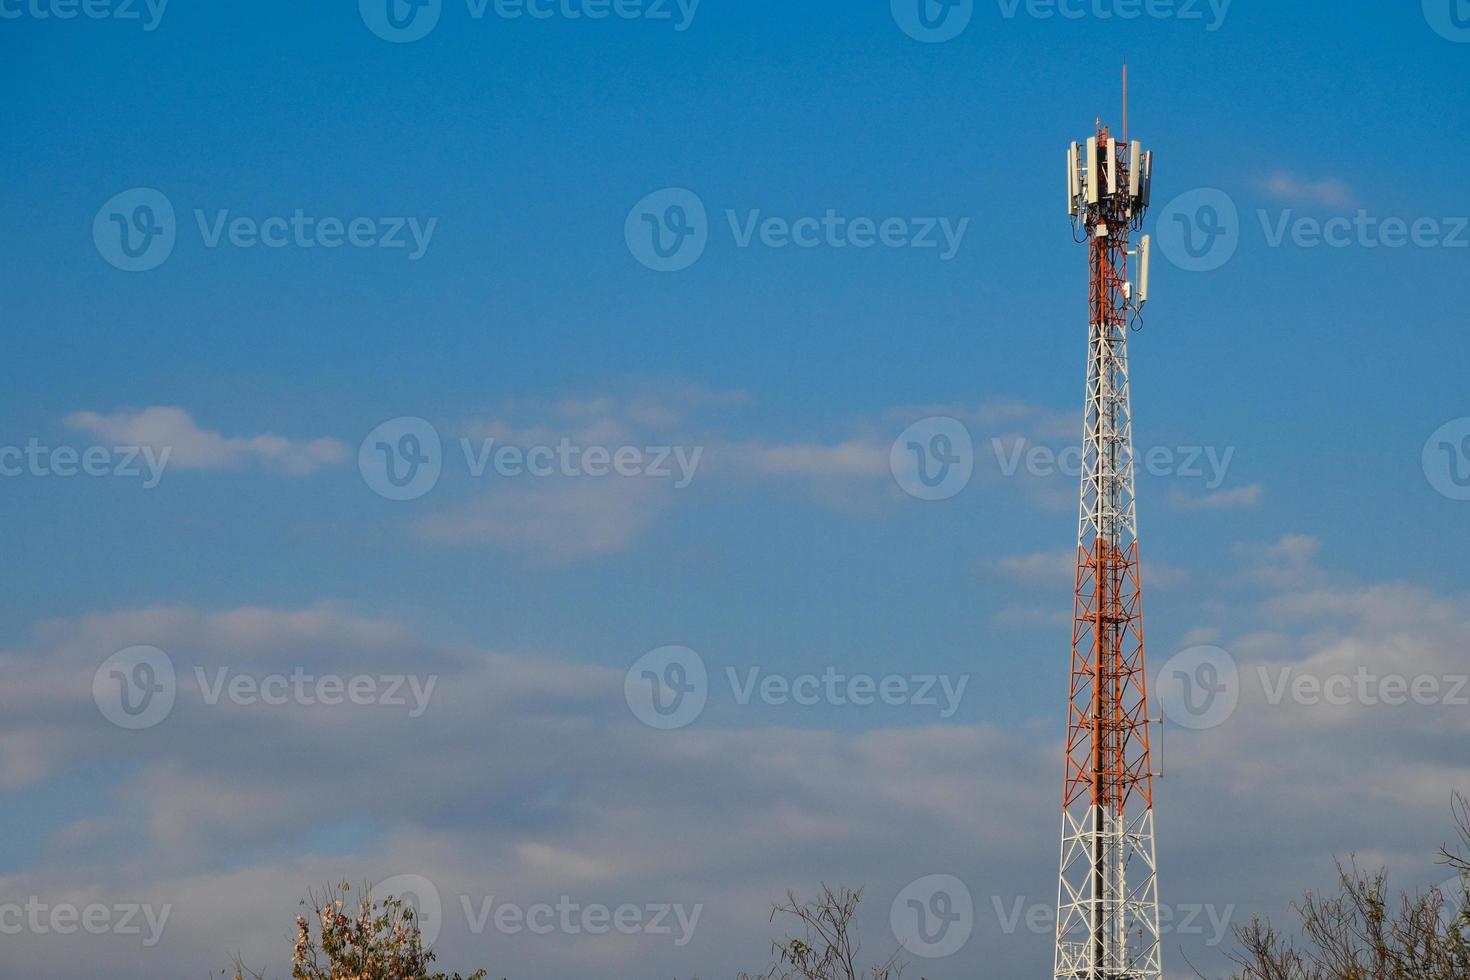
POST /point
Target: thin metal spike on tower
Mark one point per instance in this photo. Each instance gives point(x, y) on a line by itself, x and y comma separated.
point(1107, 895)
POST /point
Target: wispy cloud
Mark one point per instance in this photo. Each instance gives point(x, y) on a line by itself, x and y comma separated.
point(591, 804)
point(662, 409)
point(557, 520)
point(849, 459)
point(190, 447)
point(1018, 447)
point(863, 453)
point(1240, 498)
point(1004, 418)
point(1047, 568)
point(574, 516)
point(1328, 192)
point(1288, 564)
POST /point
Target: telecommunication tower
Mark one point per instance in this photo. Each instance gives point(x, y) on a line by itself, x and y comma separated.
point(1108, 897)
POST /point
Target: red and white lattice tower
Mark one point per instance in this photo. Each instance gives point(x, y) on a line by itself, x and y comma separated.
point(1108, 897)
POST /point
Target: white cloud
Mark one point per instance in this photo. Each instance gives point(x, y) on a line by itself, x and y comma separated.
point(1007, 418)
point(851, 459)
point(1201, 635)
point(1288, 564)
point(529, 779)
point(556, 519)
point(1327, 192)
point(568, 516)
point(658, 408)
point(849, 472)
point(173, 429)
point(1238, 499)
point(1056, 569)
point(558, 864)
point(862, 457)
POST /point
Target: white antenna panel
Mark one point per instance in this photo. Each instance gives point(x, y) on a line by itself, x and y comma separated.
point(1135, 169)
point(1073, 190)
point(1112, 167)
point(1094, 184)
point(1145, 251)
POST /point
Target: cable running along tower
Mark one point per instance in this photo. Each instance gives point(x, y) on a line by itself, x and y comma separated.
point(1107, 897)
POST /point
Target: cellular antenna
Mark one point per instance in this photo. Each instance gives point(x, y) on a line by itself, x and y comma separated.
point(1107, 894)
point(1125, 102)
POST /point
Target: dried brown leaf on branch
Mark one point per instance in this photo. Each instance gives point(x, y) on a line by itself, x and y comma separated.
point(825, 950)
point(364, 939)
point(1362, 934)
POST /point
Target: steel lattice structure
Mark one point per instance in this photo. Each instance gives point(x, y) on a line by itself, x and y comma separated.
point(1107, 896)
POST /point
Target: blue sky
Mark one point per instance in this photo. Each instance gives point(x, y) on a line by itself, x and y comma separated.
point(1320, 371)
